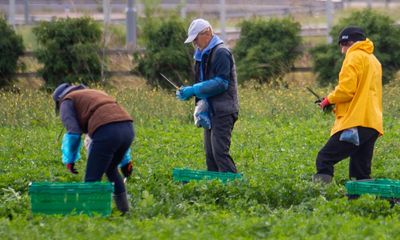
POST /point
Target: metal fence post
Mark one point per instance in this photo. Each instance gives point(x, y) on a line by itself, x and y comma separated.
point(222, 19)
point(106, 11)
point(26, 11)
point(183, 9)
point(11, 13)
point(387, 3)
point(329, 19)
point(131, 25)
point(369, 3)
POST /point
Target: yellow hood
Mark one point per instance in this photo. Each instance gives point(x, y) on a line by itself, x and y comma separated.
point(366, 46)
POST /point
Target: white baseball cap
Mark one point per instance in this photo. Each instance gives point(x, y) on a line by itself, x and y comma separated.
point(197, 26)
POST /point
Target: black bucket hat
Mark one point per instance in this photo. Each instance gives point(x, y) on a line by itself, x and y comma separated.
point(353, 34)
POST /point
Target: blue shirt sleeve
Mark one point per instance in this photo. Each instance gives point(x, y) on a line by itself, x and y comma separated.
point(69, 117)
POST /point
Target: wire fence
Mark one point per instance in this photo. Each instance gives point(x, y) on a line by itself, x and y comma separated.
point(116, 73)
point(30, 12)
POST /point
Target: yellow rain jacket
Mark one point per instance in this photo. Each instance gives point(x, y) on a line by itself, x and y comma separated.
point(358, 96)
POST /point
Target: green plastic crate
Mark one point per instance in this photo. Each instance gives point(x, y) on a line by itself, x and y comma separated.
point(386, 188)
point(185, 175)
point(71, 198)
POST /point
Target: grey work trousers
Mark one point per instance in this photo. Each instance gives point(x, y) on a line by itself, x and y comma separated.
point(217, 142)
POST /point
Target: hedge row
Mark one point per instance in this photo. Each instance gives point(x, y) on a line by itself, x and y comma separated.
point(266, 51)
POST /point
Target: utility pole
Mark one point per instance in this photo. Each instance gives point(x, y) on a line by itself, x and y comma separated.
point(222, 19)
point(329, 19)
point(11, 13)
point(131, 25)
point(26, 11)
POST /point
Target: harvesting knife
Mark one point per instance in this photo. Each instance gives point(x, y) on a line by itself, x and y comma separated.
point(173, 84)
point(313, 93)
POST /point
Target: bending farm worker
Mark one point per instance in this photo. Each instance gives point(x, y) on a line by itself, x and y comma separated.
point(215, 92)
point(93, 112)
point(126, 163)
point(358, 109)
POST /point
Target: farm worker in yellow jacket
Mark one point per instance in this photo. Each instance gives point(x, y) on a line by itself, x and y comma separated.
point(358, 109)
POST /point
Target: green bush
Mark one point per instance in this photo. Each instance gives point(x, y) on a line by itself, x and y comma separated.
point(267, 50)
point(165, 53)
point(11, 48)
point(69, 50)
point(379, 28)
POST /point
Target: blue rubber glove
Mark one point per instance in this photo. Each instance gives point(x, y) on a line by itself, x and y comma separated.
point(71, 147)
point(210, 87)
point(126, 159)
point(126, 164)
point(185, 93)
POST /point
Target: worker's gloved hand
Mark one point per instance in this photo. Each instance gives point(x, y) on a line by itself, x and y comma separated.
point(318, 102)
point(71, 168)
point(185, 93)
point(325, 105)
point(127, 169)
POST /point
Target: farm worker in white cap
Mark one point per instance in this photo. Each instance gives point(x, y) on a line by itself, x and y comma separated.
point(215, 90)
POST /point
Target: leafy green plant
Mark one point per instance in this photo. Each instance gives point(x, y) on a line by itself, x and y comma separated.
point(11, 48)
point(266, 50)
point(381, 29)
point(68, 49)
point(274, 146)
point(164, 52)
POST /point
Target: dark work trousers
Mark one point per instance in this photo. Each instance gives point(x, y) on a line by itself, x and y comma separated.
point(109, 145)
point(217, 142)
point(360, 156)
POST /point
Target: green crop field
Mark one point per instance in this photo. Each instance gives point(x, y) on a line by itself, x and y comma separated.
point(275, 143)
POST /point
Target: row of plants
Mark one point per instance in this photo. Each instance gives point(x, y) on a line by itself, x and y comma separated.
point(274, 144)
point(69, 50)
